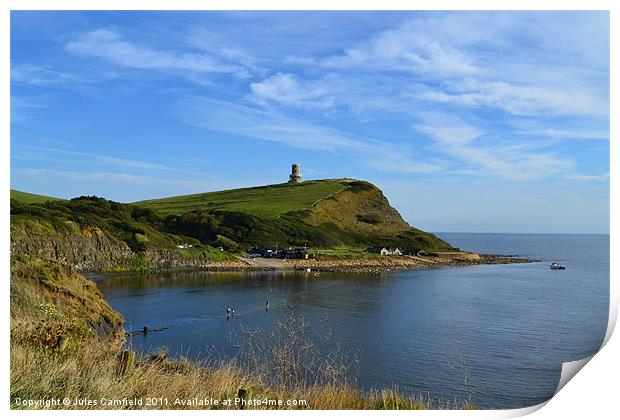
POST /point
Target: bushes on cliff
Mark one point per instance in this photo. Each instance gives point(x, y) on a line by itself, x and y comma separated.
point(123, 221)
point(197, 224)
point(141, 227)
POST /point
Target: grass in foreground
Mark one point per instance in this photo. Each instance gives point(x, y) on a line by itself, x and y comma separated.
point(93, 373)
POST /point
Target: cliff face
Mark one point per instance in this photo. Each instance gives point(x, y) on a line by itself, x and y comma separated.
point(361, 208)
point(90, 248)
point(362, 214)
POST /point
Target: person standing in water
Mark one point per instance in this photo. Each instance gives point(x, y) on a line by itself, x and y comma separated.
point(267, 305)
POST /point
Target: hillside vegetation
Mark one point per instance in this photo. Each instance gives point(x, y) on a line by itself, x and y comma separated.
point(95, 234)
point(326, 213)
point(55, 308)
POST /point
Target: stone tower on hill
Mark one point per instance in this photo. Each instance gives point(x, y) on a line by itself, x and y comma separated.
point(295, 175)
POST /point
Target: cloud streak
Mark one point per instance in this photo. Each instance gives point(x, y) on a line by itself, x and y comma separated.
point(513, 162)
point(42, 76)
point(255, 123)
point(110, 46)
point(285, 88)
point(598, 178)
point(517, 99)
point(48, 154)
point(404, 48)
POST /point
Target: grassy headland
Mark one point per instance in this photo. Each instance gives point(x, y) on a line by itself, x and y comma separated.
point(322, 213)
point(208, 230)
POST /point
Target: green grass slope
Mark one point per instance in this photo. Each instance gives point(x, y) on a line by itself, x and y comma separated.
point(270, 201)
point(322, 213)
point(28, 198)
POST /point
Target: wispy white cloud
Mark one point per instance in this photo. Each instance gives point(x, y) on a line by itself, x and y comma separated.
point(55, 155)
point(221, 46)
point(571, 128)
point(404, 48)
point(512, 161)
point(398, 160)
point(496, 61)
point(256, 123)
point(335, 93)
point(599, 178)
point(30, 74)
point(110, 46)
point(285, 88)
point(576, 134)
point(518, 100)
point(68, 175)
point(24, 107)
point(450, 135)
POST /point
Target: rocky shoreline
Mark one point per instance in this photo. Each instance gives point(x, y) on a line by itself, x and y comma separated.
point(389, 264)
point(364, 265)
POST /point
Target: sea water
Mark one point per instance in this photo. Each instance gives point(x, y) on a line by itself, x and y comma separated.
point(495, 334)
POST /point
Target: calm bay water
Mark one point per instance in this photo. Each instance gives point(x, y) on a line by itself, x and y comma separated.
point(498, 333)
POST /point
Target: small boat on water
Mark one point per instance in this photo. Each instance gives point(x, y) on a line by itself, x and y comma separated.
point(557, 266)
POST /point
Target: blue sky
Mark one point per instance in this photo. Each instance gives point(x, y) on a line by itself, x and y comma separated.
point(468, 121)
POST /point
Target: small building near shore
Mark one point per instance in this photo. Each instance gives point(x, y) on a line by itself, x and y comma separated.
point(393, 250)
point(385, 250)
